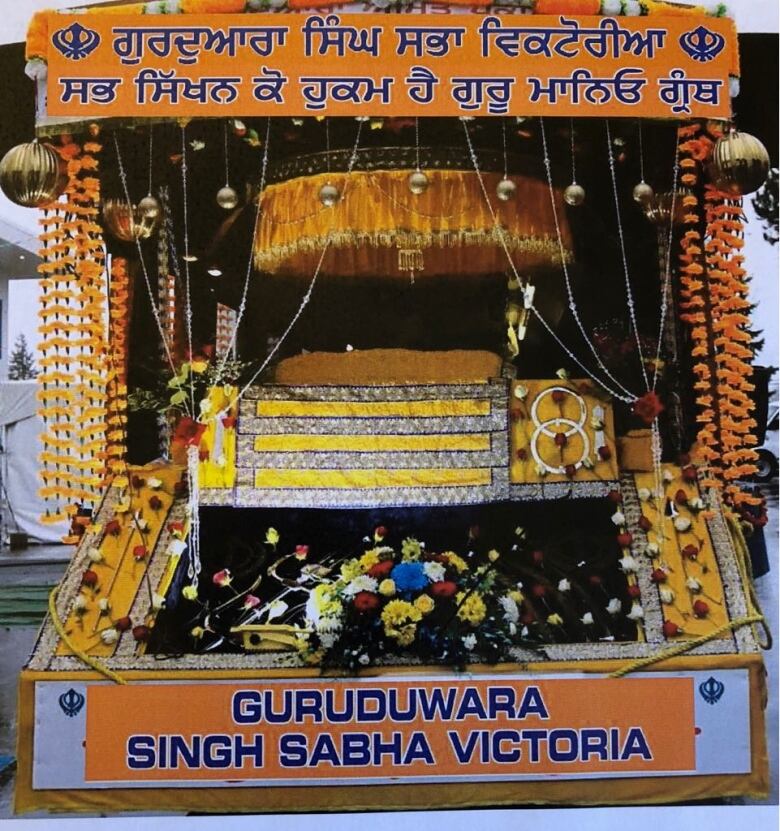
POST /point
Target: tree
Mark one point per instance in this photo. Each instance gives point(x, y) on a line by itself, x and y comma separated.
point(21, 364)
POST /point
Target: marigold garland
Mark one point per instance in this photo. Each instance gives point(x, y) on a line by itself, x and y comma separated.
point(118, 324)
point(714, 303)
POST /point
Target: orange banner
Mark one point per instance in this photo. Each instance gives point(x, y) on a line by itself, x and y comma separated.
point(363, 731)
point(389, 64)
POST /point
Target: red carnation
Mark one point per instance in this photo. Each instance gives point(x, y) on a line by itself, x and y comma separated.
point(625, 539)
point(539, 590)
point(175, 527)
point(301, 552)
point(189, 432)
point(670, 629)
point(701, 609)
point(634, 592)
point(615, 496)
point(690, 552)
point(561, 440)
point(648, 407)
point(366, 602)
point(141, 633)
point(644, 523)
point(123, 624)
point(681, 497)
point(380, 532)
point(381, 570)
point(444, 588)
point(113, 527)
point(139, 552)
point(658, 575)
point(155, 503)
point(89, 579)
point(558, 396)
point(605, 454)
point(689, 473)
point(229, 422)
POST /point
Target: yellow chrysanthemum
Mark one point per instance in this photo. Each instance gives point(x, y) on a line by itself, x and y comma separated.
point(411, 550)
point(351, 569)
point(424, 603)
point(400, 619)
point(458, 563)
point(369, 559)
point(405, 635)
point(472, 610)
point(387, 587)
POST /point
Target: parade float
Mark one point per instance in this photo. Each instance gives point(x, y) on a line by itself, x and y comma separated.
point(402, 455)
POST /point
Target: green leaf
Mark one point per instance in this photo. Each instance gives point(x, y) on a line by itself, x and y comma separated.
point(178, 398)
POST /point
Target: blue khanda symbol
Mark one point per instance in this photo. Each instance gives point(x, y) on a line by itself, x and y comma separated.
point(76, 42)
point(711, 690)
point(71, 702)
point(702, 44)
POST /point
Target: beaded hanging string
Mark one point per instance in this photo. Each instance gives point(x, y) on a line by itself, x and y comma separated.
point(624, 396)
point(166, 304)
point(227, 157)
point(187, 294)
point(250, 260)
point(573, 152)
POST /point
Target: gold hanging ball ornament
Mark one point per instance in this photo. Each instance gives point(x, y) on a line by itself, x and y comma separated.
point(643, 193)
point(658, 209)
point(739, 164)
point(329, 195)
point(506, 189)
point(149, 207)
point(418, 182)
point(128, 223)
point(31, 175)
point(227, 198)
point(574, 195)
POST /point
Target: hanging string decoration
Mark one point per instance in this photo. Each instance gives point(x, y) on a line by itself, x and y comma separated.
point(116, 387)
point(227, 198)
point(715, 305)
point(72, 311)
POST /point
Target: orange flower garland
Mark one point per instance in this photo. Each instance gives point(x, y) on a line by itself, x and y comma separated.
point(72, 386)
point(714, 304)
point(118, 325)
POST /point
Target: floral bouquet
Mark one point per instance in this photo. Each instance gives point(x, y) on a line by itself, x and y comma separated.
point(436, 606)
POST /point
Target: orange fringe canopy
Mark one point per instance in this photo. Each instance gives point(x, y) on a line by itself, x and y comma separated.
point(378, 221)
point(715, 305)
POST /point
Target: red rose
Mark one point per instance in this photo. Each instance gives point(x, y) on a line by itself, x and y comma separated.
point(681, 497)
point(644, 523)
point(634, 592)
point(701, 609)
point(229, 422)
point(615, 496)
point(113, 527)
point(658, 575)
point(301, 552)
point(381, 570)
point(648, 407)
point(558, 396)
point(691, 552)
point(444, 588)
point(189, 432)
point(539, 590)
point(138, 482)
point(89, 579)
point(141, 633)
point(380, 532)
point(689, 474)
point(139, 552)
point(670, 629)
point(537, 557)
point(155, 503)
point(522, 454)
point(561, 440)
point(625, 539)
point(570, 471)
point(366, 602)
point(605, 454)
point(123, 624)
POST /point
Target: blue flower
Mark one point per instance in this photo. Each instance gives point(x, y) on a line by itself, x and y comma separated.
point(409, 577)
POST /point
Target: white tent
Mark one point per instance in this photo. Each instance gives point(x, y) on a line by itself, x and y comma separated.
point(20, 444)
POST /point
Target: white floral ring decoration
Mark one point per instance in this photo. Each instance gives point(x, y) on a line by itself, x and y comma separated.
point(544, 428)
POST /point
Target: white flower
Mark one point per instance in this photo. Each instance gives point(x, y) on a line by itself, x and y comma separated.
point(206, 406)
point(80, 603)
point(562, 374)
point(733, 86)
point(521, 391)
point(197, 144)
point(693, 585)
point(511, 611)
point(632, 8)
point(644, 494)
point(588, 463)
point(177, 548)
point(564, 585)
point(470, 641)
point(628, 565)
point(364, 659)
point(614, 607)
point(276, 609)
point(158, 602)
point(682, 523)
point(587, 619)
point(109, 636)
point(636, 613)
point(666, 594)
point(520, 532)
point(619, 518)
point(94, 555)
point(154, 483)
point(653, 549)
point(512, 629)
point(104, 605)
point(597, 423)
point(364, 583)
point(667, 476)
point(611, 8)
point(434, 571)
point(696, 505)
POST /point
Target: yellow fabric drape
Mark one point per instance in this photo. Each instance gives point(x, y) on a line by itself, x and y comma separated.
point(377, 216)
